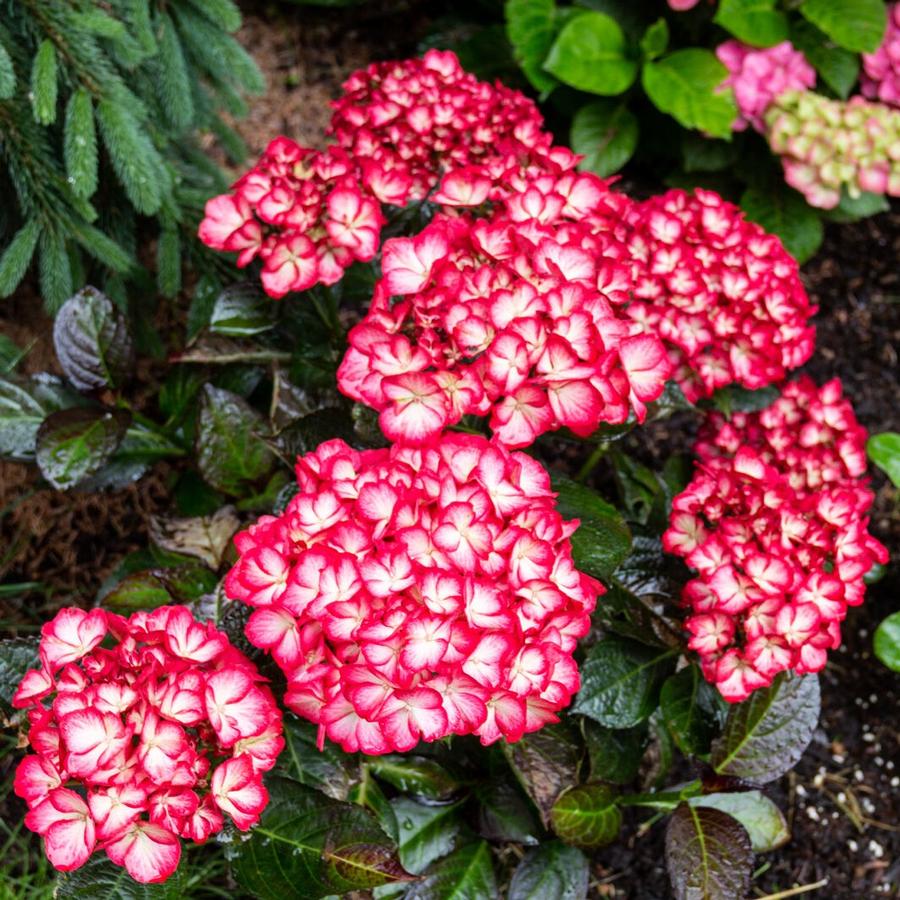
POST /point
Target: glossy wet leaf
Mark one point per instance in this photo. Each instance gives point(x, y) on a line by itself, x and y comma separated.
point(466, 874)
point(606, 134)
point(426, 832)
point(73, 444)
point(766, 735)
point(551, 870)
point(587, 816)
point(504, 813)
point(101, 879)
point(708, 855)
point(620, 682)
point(763, 820)
point(17, 656)
point(92, 341)
point(308, 846)
point(784, 212)
point(206, 537)
point(329, 770)
point(692, 710)
point(24, 404)
point(242, 310)
point(416, 775)
point(614, 753)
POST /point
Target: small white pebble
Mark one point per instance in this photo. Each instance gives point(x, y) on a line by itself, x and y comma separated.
point(875, 849)
point(813, 813)
point(834, 815)
point(842, 797)
point(868, 737)
point(889, 765)
point(858, 776)
point(863, 632)
point(868, 806)
point(838, 758)
point(895, 781)
point(852, 846)
point(801, 791)
point(879, 761)
point(818, 781)
point(873, 698)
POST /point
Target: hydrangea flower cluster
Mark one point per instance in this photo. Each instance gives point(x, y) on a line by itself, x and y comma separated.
point(759, 76)
point(826, 145)
point(774, 523)
point(414, 593)
point(423, 117)
point(724, 295)
point(517, 315)
point(880, 76)
point(143, 731)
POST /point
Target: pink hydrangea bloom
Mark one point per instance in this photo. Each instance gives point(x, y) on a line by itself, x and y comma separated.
point(413, 593)
point(682, 5)
point(757, 77)
point(724, 295)
point(880, 76)
point(138, 727)
point(774, 524)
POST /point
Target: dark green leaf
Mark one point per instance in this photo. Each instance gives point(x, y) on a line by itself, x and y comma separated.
point(615, 754)
point(306, 433)
point(141, 590)
point(765, 735)
point(552, 870)
point(101, 879)
point(735, 398)
point(242, 310)
point(837, 67)
point(884, 451)
point(546, 762)
point(764, 821)
point(691, 708)
point(602, 540)
point(426, 832)
point(231, 454)
point(860, 30)
point(92, 341)
point(591, 54)
point(415, 775)
point(587, 816)
point(24, 404)
point(308, 846)
point(755, 22)
point(206, 537)
point(328, 770)
point(685, 84)
point(530, 26)
point(708, 855)
point(852, 209)
point(367, 792)
point(655, 39)
point(784, 212)
point(17, 656)
point(504, 814)
point(73, 444)
point(700, 154)
point(44, 83)
point(620, 682)
point(606, 134)
point(887, 641)
point(466, 874)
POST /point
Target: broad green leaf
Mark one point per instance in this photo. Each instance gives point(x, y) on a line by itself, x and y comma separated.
point(231, 455)
point(655, 39)
point(466, 874)
point(367, 792)
point(546, 762)
point(100, 879)
point(765, 735)
point(700, 154)
point(691, 708)
point(140, 590)
point(852, 209)
point(784, 212)
point(708, 855)
point(530, 26)
point(504, 813)
point(859, 28)
point(306, 433)
point(734, 398)
point(838, 68)
point(615, 754)
point(329, 770)
point(620, 682)
point(140, 449)
point(685, 84)
point(591, 54)
point(606, 134)
point(603, 539)
point(308, 846)
point(73, 444)
point(206, 537)
point(24, 404)
point(764, 821)
point(426, 832)
point(755, 22)
point(587, 816)
point(92, 341)
point(17, 656)
point(884, 451)
point(887, 641)
point(242, 310)
point(552, 870)
point(416, 775)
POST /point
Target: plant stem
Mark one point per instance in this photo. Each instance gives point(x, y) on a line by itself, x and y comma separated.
point(591, 462)
point(793, 892)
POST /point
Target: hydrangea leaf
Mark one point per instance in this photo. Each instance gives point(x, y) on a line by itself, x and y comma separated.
point(504, 813)
point(655, 39)
point(242, 310)
point(861, 31)
point(24, 404)
point(765, 735)
point(530, 26)
point(587, 816)
point(685, 84)
point(708, 854)
point(17, 656)
point(784, 212)
point(887, 641)
point(606, 134)
point(73, 444)
point(92, 341)
point(615, 754)
point(416, 775)
point(884, 450)
point(764, 821)
point(691, 709)
point(591, 54)
point(551, 870)
point(426, 832)
point(329, 770)
point(755, 22)
point(101, 879)
point(620, 682)
point(308, 846)
point(466, 874)
point(838, 68)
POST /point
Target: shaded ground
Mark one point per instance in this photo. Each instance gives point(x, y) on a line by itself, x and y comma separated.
point(843, 800)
